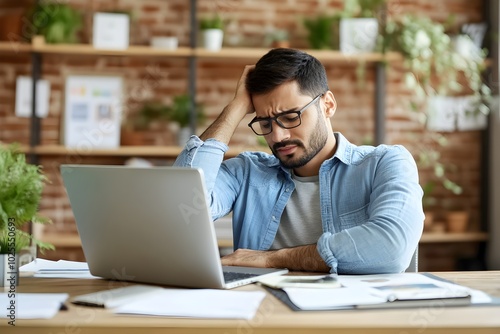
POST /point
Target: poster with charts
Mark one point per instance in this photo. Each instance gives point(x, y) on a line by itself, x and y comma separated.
point(92, 112)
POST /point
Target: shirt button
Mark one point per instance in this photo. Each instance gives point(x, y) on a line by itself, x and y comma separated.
point(286, 189)
point(274, 217)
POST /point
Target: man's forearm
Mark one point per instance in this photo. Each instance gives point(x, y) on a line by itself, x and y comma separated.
point(223, 127)
point(302, 258)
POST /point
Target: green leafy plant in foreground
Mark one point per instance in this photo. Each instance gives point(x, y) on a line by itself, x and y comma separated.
point(21, 187)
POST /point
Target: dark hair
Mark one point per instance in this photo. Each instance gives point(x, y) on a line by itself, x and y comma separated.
point(283, 65)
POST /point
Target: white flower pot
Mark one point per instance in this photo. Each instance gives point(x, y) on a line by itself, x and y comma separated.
point(212, 39)
point(358, 35)
point(183, 136)
point(465, 47)
point(168, 43)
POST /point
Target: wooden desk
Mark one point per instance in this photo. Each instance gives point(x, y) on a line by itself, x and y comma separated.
point(272, 317)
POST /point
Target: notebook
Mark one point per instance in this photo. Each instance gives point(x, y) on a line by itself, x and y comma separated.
point(150, 225)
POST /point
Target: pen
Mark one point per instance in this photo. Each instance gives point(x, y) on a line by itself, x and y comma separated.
point(58, 270)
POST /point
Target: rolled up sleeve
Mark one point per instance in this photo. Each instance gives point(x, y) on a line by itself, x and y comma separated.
point(387, 239)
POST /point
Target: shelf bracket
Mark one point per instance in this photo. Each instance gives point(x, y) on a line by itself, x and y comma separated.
point(35, 120)
point(380, 78)
point(192, 66)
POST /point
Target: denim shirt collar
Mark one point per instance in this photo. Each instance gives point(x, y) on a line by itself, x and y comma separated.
point(344, 149)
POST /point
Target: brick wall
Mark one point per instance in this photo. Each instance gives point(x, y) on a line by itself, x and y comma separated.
point(248, 20)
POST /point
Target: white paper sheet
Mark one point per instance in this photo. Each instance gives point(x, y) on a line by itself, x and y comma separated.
point(336, 298)
point(359, 290)
point(30, 305)
point(477, 297)
point(199, 303)
point(57, 269)
point(24, 97)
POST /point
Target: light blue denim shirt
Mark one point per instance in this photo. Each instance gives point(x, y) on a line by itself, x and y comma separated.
point(371, 201)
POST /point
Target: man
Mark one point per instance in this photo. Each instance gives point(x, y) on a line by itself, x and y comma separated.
point(319, 203)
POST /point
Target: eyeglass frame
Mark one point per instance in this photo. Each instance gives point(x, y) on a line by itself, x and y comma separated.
point(275, 118)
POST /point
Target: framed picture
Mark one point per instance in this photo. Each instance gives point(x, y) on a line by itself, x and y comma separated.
point(93, 111)
point(111, 31)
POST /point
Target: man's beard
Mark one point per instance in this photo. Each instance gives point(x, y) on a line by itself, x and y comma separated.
point(316, 143)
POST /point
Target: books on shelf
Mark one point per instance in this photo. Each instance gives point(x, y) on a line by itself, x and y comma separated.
point(93, 110)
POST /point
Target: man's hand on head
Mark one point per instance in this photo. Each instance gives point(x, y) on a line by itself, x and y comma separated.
point(242, 99)
point(223, 127)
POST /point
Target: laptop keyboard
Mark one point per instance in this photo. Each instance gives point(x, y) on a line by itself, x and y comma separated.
point(230, 276)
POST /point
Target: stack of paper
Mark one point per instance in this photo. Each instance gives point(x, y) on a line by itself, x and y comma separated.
point(381, 291)
point(57, 269)
point(199, 303)
point(158, 301)
point(30, 305)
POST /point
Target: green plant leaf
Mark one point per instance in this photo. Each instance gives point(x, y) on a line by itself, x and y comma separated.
point(21, 186)
point(57, 22)
point(180, 111)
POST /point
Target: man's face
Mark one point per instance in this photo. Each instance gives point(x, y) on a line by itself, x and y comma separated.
point(298, 146)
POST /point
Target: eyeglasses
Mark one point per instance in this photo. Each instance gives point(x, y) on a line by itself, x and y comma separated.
point(285, 120)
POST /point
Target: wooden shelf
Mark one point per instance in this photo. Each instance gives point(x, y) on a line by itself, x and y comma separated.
point(453, 237)
point(68, 240)
point(325, 56)
point(73, 240)
point(14, 47)
point(128, 151)
point(40, 46)
point(62, 240)
point(225, 54)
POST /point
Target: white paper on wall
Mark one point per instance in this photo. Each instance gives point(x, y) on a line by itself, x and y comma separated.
point(24, 95)
point(441, 114)
point(467, 116)
point(454, 113)
point(93, 109)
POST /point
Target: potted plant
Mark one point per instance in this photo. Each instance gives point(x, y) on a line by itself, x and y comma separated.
point(358, 25)
point(434, 69)
point(136, 126)
point(433, 65)
point(21, 187)
point(456, 215)
point(320, 34)
point(277, 38)
point(180, 113)
point(57, 22)
point(213, 32)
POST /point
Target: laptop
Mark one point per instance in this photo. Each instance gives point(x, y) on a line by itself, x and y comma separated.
point(150, 225)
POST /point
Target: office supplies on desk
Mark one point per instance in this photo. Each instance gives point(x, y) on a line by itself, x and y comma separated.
point(116, 297)
point(149, 225)
point(198, 303)
point(159, 301)
point(57, 269)
point(299, 281)
point(31, 305)
point(379, 291)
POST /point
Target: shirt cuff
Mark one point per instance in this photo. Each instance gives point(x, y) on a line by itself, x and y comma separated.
point(325, 252)
point(195, 146)
point(195, 142)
